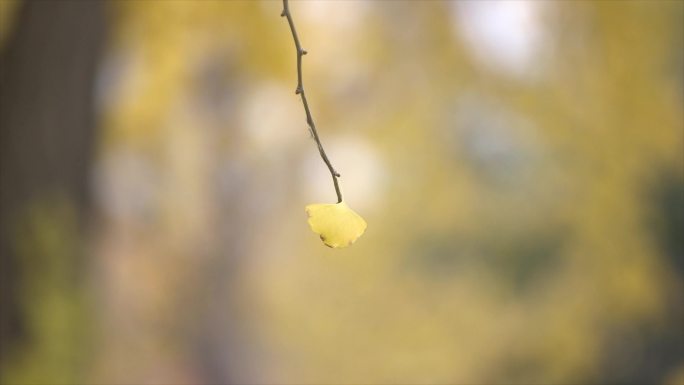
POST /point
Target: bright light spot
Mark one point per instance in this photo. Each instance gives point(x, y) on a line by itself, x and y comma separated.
point(340, 15)
point(506, 36)
point(270, 118)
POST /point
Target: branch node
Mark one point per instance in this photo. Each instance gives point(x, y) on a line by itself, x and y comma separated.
point(302, 52)
point(298, 90)
point(282, 14)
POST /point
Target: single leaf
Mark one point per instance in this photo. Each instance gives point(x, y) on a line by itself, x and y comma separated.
point(336, 223)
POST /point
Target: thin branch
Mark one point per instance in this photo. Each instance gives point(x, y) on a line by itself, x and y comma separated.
point(300, 91)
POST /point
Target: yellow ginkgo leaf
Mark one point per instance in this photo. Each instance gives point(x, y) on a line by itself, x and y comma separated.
point(336, 223)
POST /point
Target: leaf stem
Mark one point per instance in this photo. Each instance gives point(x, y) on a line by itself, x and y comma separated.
point(300, 91)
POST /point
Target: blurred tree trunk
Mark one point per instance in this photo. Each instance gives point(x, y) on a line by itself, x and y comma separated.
point(47, 140)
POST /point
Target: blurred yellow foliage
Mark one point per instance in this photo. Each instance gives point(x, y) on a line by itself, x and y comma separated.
point(525, 215)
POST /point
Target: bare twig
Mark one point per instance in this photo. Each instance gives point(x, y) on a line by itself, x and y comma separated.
point(300, 90)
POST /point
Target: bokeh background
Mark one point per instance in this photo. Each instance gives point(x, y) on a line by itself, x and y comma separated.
point(520, 165)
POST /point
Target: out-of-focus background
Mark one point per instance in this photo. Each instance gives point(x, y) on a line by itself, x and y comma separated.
point(520, 165)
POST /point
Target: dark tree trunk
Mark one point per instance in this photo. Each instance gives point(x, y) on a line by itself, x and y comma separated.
point(47, 130)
